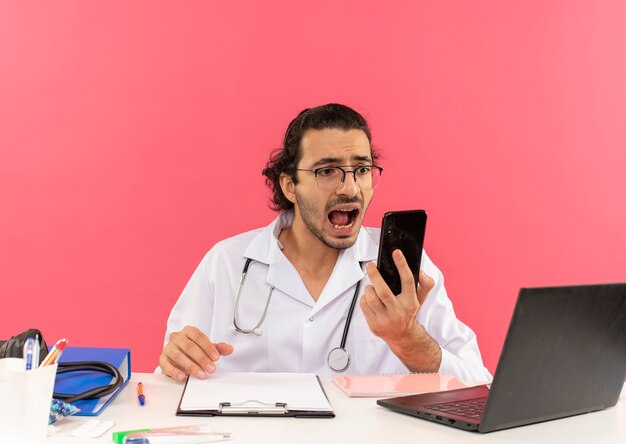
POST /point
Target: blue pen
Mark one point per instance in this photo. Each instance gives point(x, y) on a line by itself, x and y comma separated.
point(31, 353)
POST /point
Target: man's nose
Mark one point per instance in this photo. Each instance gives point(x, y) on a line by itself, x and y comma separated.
point(349, 186)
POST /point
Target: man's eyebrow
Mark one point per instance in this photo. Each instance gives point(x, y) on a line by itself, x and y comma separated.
point(327, 160)
point(362, 158)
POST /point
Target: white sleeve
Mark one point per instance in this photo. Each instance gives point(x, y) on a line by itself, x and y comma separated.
point(460, 356)
point(195, 304)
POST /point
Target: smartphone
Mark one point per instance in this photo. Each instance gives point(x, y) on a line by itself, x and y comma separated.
point(404, 230)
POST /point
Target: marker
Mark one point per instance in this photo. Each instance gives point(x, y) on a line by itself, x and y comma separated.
point(191, 430)
point(55, 352)
point(31, 353)
point(140, 395)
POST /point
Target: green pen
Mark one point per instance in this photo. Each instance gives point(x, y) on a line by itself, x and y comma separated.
point(118, 437)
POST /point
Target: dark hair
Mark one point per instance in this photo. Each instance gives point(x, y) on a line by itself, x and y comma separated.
point(285, 159)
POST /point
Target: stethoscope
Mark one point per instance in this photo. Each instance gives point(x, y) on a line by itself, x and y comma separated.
point(338, 357)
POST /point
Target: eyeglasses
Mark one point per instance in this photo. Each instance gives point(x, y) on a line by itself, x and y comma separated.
point(366, 177)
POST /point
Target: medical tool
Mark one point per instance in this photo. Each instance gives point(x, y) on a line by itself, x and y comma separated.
point(338, 358)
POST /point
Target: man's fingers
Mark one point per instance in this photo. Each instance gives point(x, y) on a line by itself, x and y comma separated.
point(223, 348)
point(406, 275)
point(192, 351)
point(373, 302)
point(168, 368)
point(367, 310)
point(426, 284)
point(381, 288)
point(199, 348)
point(181, 358)
point(204, 343)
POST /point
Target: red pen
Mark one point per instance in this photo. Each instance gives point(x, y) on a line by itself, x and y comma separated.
point(140, 396)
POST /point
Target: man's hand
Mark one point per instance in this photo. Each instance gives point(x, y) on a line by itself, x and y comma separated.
point(190, 351)
point(392, 318)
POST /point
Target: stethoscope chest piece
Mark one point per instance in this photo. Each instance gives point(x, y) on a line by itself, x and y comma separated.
point(338, 359)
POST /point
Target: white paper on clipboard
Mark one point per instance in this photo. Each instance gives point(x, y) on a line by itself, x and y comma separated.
point(298, 391)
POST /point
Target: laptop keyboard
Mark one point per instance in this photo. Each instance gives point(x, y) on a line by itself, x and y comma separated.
point(470, 408)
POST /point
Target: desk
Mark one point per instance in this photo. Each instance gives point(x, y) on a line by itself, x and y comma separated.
point(357, 421)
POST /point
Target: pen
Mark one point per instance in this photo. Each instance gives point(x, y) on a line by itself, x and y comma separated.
point(55, 353)
point(31, 353)
point(175, 439)
point(140, 395)
point(158, 438)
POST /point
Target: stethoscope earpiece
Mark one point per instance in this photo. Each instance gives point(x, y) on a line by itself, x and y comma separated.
point(258, 331)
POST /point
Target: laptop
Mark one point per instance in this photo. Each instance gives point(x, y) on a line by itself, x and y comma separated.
point(564, 354)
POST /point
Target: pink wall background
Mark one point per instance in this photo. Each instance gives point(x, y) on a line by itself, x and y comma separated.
point(132, 136)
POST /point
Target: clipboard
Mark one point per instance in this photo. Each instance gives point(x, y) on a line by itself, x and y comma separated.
point(249, 394)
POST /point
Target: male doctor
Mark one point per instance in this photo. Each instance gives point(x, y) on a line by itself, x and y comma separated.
point(278, 299)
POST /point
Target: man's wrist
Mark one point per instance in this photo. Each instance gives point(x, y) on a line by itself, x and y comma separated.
point(418, 350)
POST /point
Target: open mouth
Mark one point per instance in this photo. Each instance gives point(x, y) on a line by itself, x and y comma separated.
point(343, 218)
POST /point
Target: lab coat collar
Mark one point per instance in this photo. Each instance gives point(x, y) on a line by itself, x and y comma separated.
point(265, 248)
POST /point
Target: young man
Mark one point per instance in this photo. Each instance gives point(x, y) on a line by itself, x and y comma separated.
point(278, 299)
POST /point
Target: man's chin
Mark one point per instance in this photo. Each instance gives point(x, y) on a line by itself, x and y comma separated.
point(340, 243)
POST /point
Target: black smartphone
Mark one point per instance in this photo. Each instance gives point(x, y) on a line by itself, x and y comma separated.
point(404, 230)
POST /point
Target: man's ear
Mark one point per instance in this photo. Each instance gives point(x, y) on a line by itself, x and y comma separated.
point(288, 187)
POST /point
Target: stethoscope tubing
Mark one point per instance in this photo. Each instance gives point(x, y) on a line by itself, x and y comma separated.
point(257, 328)
point(346, 327)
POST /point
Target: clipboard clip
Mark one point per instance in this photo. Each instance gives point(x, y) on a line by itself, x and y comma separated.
point(253, 407)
